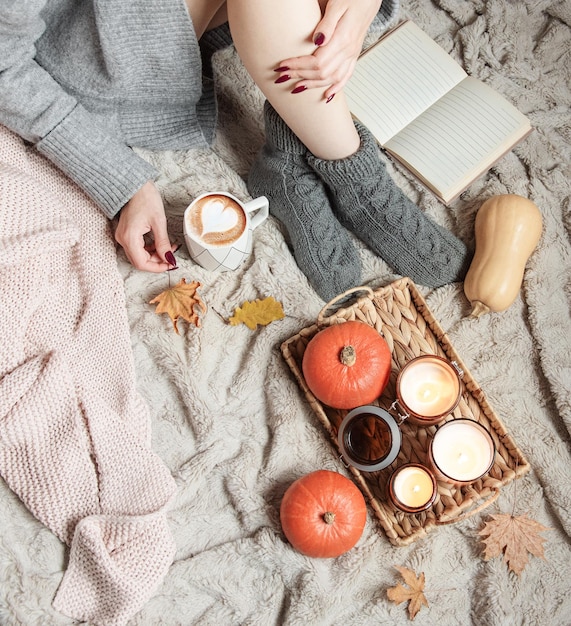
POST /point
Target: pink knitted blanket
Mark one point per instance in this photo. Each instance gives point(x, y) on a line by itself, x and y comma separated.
point(74, 433)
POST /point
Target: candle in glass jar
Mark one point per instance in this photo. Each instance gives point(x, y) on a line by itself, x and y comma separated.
point(412, 488)
point(462, 451)
point(428, 387)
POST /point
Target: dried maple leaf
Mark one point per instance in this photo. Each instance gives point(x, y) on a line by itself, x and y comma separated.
point(258, 312)
point(180, 301)
point(414, 593)
point(515, 536)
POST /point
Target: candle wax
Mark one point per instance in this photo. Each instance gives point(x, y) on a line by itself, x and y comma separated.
point(429, 387)
point(462, 451)
point(413, 486)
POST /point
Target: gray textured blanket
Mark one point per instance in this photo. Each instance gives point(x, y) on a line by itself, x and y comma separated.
point(235, 429)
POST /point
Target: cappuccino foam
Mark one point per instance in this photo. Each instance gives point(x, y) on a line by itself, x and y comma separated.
point(216, 220)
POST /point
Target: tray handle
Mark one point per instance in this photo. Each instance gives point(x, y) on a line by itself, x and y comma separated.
point(485, 503)
point(342, 296)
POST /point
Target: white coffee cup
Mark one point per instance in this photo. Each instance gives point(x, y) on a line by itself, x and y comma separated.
point(218, 229)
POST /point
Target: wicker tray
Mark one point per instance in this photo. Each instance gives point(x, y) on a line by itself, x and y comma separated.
point(400, 313)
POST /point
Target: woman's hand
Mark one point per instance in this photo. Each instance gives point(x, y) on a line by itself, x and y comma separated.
point(143, 214)
point(339, 39)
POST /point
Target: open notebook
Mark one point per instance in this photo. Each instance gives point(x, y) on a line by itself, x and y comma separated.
point(446, 127)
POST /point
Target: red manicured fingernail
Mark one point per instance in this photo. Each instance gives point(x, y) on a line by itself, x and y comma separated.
point(330, 98)
point(299, 89)
point(169, 256)
point(282, 79)
point(282, 68)
point(319, 39)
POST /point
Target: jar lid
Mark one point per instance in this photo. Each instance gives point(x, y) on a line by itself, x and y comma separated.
point(369, 438)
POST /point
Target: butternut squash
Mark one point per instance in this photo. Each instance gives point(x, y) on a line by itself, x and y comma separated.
point(507, 230)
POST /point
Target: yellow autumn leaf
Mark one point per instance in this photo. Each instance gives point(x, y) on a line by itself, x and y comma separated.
point(414, 593)
point(182, 300)
point(515, 537)
point(260, 312)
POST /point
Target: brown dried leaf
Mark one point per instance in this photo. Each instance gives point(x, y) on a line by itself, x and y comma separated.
point(414, 593)
point(515, 536)
point(258, 312)
point(182, 300)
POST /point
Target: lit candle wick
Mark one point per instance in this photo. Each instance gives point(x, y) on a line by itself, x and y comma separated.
point(416, 488)
point(462, 458)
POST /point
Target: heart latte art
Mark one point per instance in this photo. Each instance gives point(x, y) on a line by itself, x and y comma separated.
point(216, 220)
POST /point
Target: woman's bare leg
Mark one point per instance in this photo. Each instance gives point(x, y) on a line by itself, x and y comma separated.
point(206, 14)
point(266, 31)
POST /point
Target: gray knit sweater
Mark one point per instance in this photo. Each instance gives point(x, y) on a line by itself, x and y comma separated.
point(85, 80)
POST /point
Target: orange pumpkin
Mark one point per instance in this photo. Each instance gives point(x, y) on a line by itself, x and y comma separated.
point(323, 514)
point(347, 365)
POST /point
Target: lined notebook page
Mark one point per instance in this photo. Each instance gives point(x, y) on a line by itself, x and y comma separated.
point(463, 134)
point(398, 78)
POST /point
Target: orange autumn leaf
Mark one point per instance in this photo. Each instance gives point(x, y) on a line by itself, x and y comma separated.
point(515, 537)
point(260, 312)
point(182, 300)
point(414, 593)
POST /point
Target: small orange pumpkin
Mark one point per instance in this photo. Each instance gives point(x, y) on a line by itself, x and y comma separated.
point(323, 514)
point(347, 365)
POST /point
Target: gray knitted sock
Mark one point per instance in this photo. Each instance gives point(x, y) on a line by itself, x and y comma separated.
point(322, 248)
point(369, 203)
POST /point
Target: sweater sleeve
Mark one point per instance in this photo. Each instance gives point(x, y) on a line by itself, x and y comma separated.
point(36, 107)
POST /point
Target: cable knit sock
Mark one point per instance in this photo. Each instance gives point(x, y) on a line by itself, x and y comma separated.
point(213, 40)
point(321, 246)
point(369, 203)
